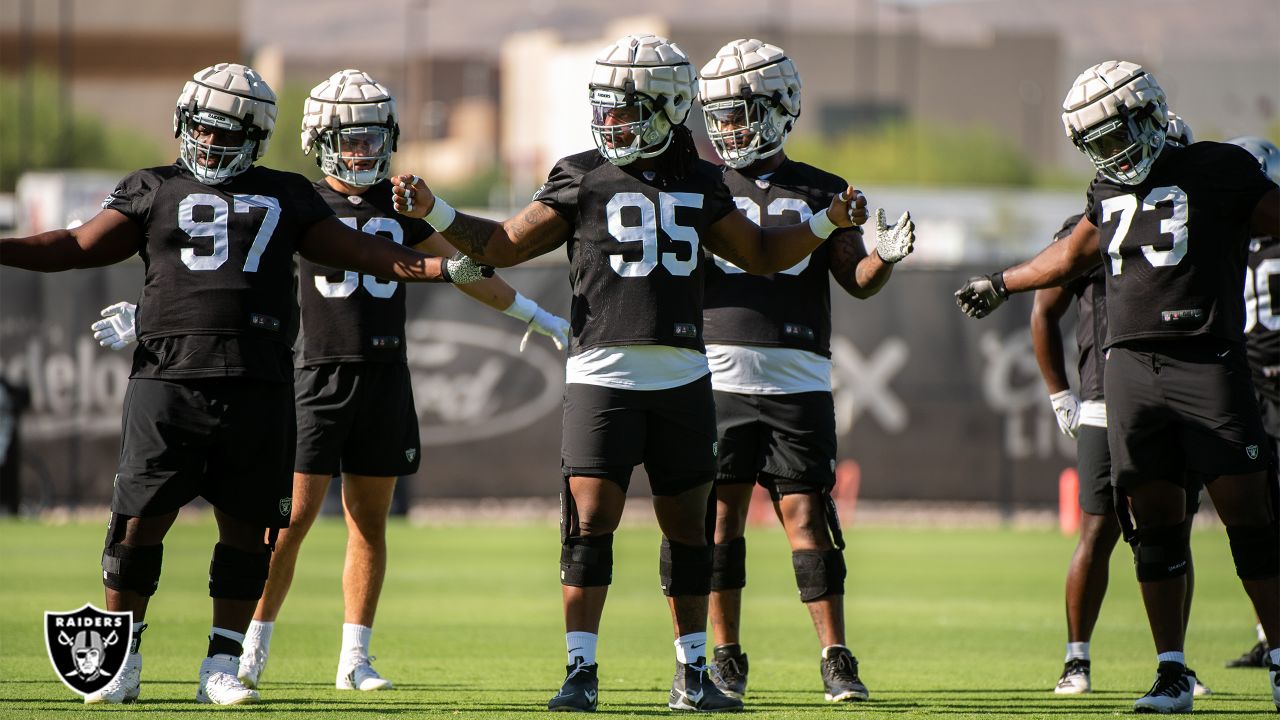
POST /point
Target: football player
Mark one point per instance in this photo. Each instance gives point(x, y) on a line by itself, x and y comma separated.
point(1262, 337)
point(354, 400)
point(635, 214)
point(768, 346)
point(1084, 418)
point(209, 408)
point(1171, 226)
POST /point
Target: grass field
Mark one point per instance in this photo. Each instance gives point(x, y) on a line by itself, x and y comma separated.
point(946, 623)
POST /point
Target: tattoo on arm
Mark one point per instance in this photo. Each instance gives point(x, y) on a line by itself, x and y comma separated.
point(846, 253)
point(471, 233)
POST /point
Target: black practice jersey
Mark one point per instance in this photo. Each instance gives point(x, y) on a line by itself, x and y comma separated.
point(347, 316)
point(1090, 291)
point(1174, 246)
point(217, 299)
point(1262, 315)
point(635, 258)
point(791, 308)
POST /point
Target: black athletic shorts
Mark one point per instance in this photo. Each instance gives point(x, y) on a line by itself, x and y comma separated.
point(787, 443)
point(1175, 407)
point(356, 418)
point(228, 440)
point(1093, 463)
point(608, 431)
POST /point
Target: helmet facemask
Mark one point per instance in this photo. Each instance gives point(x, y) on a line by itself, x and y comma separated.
point(209, 163)
point(628, 125)
point(359, 155)
point(1123, 148)
point(747, 128)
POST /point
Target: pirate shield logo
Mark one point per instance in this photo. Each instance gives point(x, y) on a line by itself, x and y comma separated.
point(87, 646)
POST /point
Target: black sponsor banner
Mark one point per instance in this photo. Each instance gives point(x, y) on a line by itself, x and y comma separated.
point(931, 405)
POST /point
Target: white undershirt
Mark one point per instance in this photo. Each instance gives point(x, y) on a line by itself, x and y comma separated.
point(756, 370)
point(1093, 413)
point(636, 367)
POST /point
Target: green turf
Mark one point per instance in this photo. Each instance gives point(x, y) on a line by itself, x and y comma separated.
point(962, 623)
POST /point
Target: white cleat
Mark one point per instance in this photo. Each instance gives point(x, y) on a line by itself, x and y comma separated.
point(1075, 678)
point(123, 688)
point(1171, 692)
point(356, 673)
point(219, 684)
point(252, 662)
point(1198, 689)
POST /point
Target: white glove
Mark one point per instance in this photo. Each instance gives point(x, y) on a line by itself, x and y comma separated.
point(897, 242)
point(540, 321)
point(1066, 408)
point(462, 270)
point(117, 330)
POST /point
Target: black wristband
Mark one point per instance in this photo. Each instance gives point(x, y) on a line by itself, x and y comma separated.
point(997, 283)
point(444, 270)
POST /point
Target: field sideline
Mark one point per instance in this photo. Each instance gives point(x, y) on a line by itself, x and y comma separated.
point(946, 623)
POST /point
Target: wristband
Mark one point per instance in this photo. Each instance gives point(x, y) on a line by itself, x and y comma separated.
point(997, 284)
point(522, 308)
point(441, 215)
point(821, 225)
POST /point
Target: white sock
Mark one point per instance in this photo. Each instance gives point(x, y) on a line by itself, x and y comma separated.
point(1262, 636)
point(691, 647)
point(1077, 651)
point(1172, 656)
point(259, 633)
point(1275, 656)
point(581, 645)
point(826, 651)
point(355, 638)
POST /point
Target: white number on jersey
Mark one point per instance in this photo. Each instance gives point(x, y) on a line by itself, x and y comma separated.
point(1175, 225)
point(1260, 304)
point(351, 279)
point(646, 233)
point(751, 209)
point(216, 229)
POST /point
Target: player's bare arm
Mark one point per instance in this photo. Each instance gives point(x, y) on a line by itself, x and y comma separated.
point(859, 273)
point(535, 230)
point(1265, 221)
point(106, 239)
point(1047, 309)
point(1055, 265)
point(764, 250)
point(332, 243)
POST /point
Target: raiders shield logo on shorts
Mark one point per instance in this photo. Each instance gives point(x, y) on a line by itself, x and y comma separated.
point(1252, 452)
point(87, 646)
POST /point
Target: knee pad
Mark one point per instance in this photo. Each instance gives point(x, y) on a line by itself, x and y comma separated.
point(818, 573)
point(235, 574)
point(587, 561)
point(729, 565)
point(1255, 550)
point(684, 569)
point(1160, 553)
point(135, 568)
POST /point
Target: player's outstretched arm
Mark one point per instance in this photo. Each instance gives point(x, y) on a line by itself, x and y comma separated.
point(1047, 309)
point(330, 242)
point(106, 239)
point(1055, 265)
point(862, 274)
point(534, 231)
point(765, 250)
point(497, 294)
point(1265, 221)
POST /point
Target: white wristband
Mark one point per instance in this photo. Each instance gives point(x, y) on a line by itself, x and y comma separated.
point(522, 308)
point(441, 215)
point(820, 225)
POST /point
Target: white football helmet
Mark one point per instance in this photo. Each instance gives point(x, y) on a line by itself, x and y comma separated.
point(641, 86)
point(1116, 114)
point(350, 119)
point(750, 93)
point(225, 97)
point(1265, 151)
point(1179, 132)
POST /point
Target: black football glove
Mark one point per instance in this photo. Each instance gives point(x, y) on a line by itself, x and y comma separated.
point(982, 294)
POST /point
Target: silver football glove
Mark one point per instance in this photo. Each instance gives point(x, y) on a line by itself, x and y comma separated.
point(118, 328)
point(1066, 408)
point(461, 270)
point(896, 242)
point(982, 294)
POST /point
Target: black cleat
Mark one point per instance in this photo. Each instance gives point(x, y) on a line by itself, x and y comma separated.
point(693, 689)
point(729, 670)
point(1171, 693)
point(1255, 657)
point(840, 677)
point(580, 689)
